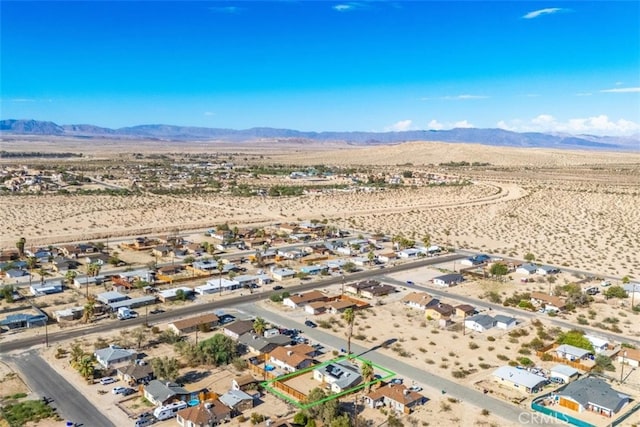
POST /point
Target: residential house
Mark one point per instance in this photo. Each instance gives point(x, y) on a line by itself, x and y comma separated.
point(136, 373)
point(238, 328)
point(387, 257)
point(313, 270)
point(355, 288)
point(317, 307)
point(572, 353)
point(564, 372)
point(544, 270)
point(594, 395)
point(237, 401)
point(260, 344)
point(505, 322)
point(81, 282)
point(203, 321)
point(173, 294)
point(629, 356)
point(300, 300)
point(599, 345)
point(281, 274)
point(447, 280)
point(339, 306)
point(527, 269)
point(244, 382)
point(68, 314)
point(62, 265)
point(439, 311)
point(396, 397)
point(291, 359)
point(111, 297)
point(133, 302)
point(549, 302)
point(162, 392)
point(408, 253)
point(24, 320)
point(465, 310)
point(213, 286)
point(377, 291)
point(419, 300)
point(519, 379)
point(339, 376)
point(15, 273)
point(47, 287)
point(206, 414)
point(109, 356)
point(479, 322)
point(160, 251)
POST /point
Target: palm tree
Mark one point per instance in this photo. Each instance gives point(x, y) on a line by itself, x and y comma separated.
point(70, 275)
point(86, 366)
point(426, 240)
point(20, 245)
point(76, 354)
point(89, 309)
point(259, 325)
point(371, 256)
point(349, 317)
point(32, 262)
point(367, 373)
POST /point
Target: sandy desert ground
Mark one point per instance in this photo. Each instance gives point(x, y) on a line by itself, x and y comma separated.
point(569, 208)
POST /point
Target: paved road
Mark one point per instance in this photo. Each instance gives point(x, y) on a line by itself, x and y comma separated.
point(515, 312)
point(44, 381)
point(193, 309)
point(404, 369)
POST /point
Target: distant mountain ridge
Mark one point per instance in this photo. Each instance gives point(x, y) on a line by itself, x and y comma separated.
point(496, 137)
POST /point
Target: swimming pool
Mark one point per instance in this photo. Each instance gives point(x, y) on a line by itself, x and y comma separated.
point(269, 368)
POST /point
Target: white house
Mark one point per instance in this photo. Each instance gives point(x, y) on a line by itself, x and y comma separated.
point(629, 356)
point(212, 286)
point(447, 280)
point(527, 269)
point(505, 322)
point(599, 345)
point(479, 322)
point(520, 379)
point(113, 355)
point(565, 373)
point(282, 273)
point(408, 253)
point(572, 353)
point(340, 376)
point(543, 270)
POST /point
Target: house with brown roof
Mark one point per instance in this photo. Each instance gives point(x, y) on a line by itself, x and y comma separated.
point(339, 306)
point(244, 382)
point(317, 307)
point(549, 302)
point(396, 397)
point(629, 356)
point(206, 414)
point(237, 328)
point(439, 311)
point(355, 288)
point(465, 310)
point(135, 373)
point(377, 291)
point(292, 358)
point(300, 300)
point(191, 324)
point(419, 300)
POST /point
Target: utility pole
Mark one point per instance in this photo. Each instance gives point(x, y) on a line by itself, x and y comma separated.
point(342, 292)
point(624, 355)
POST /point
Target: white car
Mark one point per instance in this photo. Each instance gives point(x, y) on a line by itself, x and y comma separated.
point(107, 380)
point(118, 390)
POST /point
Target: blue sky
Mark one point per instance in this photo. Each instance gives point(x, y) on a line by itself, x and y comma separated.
point(321, 65)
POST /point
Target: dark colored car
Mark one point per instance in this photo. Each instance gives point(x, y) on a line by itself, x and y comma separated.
point(277, 288)
point(310, 324)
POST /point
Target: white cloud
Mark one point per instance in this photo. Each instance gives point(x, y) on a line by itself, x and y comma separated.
point(540, 12)
point(436, 125)
point(346, 7)
point(462, 124)
point(209, 113)
point(596, 125)
point(400, 126)
point(464, 96)
point(622, 90)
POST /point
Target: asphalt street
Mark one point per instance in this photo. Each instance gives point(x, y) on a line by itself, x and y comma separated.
point(500, 408)
point(44, 381)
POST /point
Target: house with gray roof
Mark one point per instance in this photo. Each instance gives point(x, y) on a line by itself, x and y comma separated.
point(111, 297)
point(236, 329)
point(564, 372)
point(504, 322)
point(527, 269)
point(162, 392)
point(447, 280)
point(237, 400)
point(572, 353)
point(24, 320)
point(479, 322)
point(113, 355)
point(259, 344)
point(339, 376)
point(47, 287)
point(592, 394)
point(519, 379)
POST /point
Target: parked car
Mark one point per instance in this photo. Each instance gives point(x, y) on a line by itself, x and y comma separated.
point(396, 381)
point(310, 324)
point(107, 380)
point(410, 282)
point(118, 390)
point(556, 380)
point(278, 287)
point(415, 388)
point(128, 391)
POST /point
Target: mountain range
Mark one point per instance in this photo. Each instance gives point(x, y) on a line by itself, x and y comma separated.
point(496, 137)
